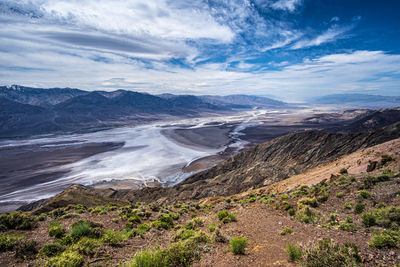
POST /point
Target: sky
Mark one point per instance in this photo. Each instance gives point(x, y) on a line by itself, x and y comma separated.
point(290, 49)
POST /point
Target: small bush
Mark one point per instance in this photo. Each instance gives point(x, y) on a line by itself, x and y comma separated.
point(294, 252)
point(87, 245)
point(143, 228)
point(238, 245)
point(364, 194)
point(80, 229)
point(7, 242)
point(17, 221)
point(226, 217)
point(113, 238)
point(328, 253)
point(348, 205)
point(312, 202)
point(212, 227)
point(287, 230)
point(359, 208)
point(349, 227)
point(323, 198)
point(368, 219)
point(308, 215)
point(386, 239)
point(386, 158)
point(284, 196)
point(51, 250)
point(194, 224)
point(182, 253)
point(340, 195)
point(26, 249)
point(183, 234)
point(149, 258)
point(67, 258)
point(291, 212)
point(56, 230)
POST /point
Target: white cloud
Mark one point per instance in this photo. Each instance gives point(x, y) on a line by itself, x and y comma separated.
point(289, 5)
point(332, 34)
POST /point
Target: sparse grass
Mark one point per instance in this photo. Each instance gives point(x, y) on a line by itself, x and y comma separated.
point(384, 217)
point(294, 252)
point(238, 245)
point(226, 217)
point(287, 230)
point(183, 234)
point(348, 205)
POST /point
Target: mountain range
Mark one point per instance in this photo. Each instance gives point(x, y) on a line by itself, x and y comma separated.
point(26, 111)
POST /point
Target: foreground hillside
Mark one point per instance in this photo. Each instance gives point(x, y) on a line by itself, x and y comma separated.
point(336, 214)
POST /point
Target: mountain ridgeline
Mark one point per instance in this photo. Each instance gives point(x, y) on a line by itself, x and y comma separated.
point(28, 111)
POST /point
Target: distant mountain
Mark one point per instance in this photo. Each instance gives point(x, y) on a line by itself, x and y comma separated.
point(356, 98)
point(38, 96)
point(30, 111)
point(243, 101)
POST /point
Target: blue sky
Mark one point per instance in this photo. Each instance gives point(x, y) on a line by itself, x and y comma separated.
point(293, 49)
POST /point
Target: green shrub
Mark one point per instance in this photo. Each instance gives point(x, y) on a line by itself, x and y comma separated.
point(7, 242)
point(51, 250)
point(113, 238)
point(348, 205)
point(160, 225)
point(143, 228)
point(226, 217)
point(26, 249)
point(307, 215)
point(183, 253)
point(80, 229)
point(359, 208)
point(149, 258)
point(294, 252)
point(291, 212)
point(386, 158)
point(287, 230)
point(167, 219)
point(56, 230)
point(386, 239)
point(17, 221)
point(384, 217)
point(183, 234)
point(194, 224)
point(343, 171)
point(87, 245)
point(368, 219)
point(310, 201)
point(212, 227)
point(340, 195)
point(364, 194)
point(348, 219)
point(174, 216)
point(237, 245)
point(324, 197)
point(66, 259)
point(349, 227)
point(284, 196)
point(328, 253)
